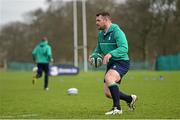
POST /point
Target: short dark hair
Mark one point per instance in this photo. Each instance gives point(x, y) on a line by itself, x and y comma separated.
point(104, 14)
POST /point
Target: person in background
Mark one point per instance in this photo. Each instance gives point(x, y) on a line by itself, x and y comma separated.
point(42, 56)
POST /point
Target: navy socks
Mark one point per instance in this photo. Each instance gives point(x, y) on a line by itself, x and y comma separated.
point(125, 97)
point(114, 89)
point(117, 95)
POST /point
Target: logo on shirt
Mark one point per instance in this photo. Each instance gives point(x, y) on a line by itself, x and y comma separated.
point(110, 36)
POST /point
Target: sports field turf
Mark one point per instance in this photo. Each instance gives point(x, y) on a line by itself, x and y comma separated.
point(158, 97)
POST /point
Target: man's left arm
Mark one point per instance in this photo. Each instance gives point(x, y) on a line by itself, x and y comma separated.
point(122, 45)
point(49, 53)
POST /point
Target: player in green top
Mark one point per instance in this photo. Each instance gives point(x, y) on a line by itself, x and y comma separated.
point(42, 56)
point(112, 44)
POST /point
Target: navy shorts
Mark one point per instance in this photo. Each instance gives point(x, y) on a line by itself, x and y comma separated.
point(121, 66)
point(43, 67)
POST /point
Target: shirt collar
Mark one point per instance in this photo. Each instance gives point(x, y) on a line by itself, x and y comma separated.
point(110, 29)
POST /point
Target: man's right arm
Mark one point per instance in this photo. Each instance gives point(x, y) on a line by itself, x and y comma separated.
point(98, 49)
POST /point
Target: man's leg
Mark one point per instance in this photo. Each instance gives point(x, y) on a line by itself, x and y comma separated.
point(122, 96)
point(38, 73)
point(111, 78)
point(125, 97)
point(130, 99)
point(46, 76)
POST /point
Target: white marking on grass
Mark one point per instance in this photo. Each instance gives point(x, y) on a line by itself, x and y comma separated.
point(6, 116)
point(28, 115)
point(18, 115)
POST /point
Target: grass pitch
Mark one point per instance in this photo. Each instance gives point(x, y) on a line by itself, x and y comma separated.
point(158, 96)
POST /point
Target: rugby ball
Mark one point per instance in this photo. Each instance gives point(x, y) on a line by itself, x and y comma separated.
point(72, 91)
point(96, 60)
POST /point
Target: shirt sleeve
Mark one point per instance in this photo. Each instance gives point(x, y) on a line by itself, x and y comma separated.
point(98, 49)
point(49, 53)
point(122, 45)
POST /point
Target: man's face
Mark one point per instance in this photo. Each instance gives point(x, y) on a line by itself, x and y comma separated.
point(100, 22)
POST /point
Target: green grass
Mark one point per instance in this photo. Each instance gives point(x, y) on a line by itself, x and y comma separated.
point(158, 99)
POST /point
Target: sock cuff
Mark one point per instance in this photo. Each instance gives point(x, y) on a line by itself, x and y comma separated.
point(113, 84)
